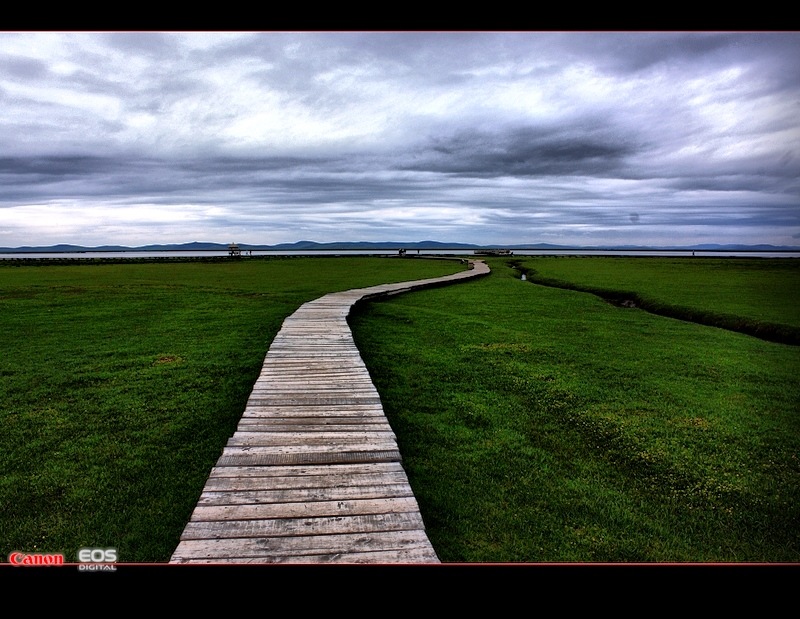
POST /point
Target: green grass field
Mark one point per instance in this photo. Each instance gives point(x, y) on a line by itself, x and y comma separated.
point(752, 295)
point(121, 383)
point(546, 425)
point(537, 424)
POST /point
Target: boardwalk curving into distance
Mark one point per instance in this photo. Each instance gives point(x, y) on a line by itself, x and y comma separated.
point(313, 473)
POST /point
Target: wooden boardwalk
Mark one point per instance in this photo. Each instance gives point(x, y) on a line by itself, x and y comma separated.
point(313, 473)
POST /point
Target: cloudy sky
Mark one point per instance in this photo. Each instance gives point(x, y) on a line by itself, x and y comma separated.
point(577, 138)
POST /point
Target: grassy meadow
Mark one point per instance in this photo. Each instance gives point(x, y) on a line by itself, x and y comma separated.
point(537, 423)
point(121, 383)
point(755, 296)
point(541, 424)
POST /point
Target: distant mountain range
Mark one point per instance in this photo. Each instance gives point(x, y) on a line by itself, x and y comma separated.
point(365, 245)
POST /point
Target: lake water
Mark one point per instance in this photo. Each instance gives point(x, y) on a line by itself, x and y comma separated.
point(390, 252)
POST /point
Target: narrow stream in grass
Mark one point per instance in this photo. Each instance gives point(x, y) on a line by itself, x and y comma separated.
point(771, 332)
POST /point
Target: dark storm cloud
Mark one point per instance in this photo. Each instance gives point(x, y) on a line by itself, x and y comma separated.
point(524, 151)
point(783, 183)
point(242, 179)
point(627, 52)
point(635, 52)
point(482, 136)
point(153, 44)
point(22, 68)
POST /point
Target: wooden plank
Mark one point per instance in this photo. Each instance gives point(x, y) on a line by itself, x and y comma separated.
point(306, 545)
point(310, 424)
point(309, 376)
point(315, 402)
point(312, 414)
point(366, 468)
point(259, 458)
point(315, 428)
point(303, 495)
point(310, 392)
point(349, 480)
point(349, 441)
point(329, 384)
point(300, 450)
point(302, 526)
point(312, 509)
point(421, 555)
point(338, 425)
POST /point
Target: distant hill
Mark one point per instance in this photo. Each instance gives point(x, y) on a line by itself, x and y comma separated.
point(199, 246)
point(300, 245)
point(393, 245)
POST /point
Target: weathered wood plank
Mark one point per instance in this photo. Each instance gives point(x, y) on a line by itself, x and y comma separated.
point(287, 410)
point(307, 545)
point(317, 422)
point(376, 558)
point(315, 425)
point(367, 468)
point(313, 429)
point(314, 376)
point(284, 385)
point(259, 458)
point(343, 438)
point(312, 509)
point(320, 402)
point(302, 495)
point(402, 557)
point(339, 480)
point(302, 526)
point(350, 447)
point(313, 392)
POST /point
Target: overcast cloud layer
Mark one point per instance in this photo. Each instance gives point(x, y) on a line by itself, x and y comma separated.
point(489, 138)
